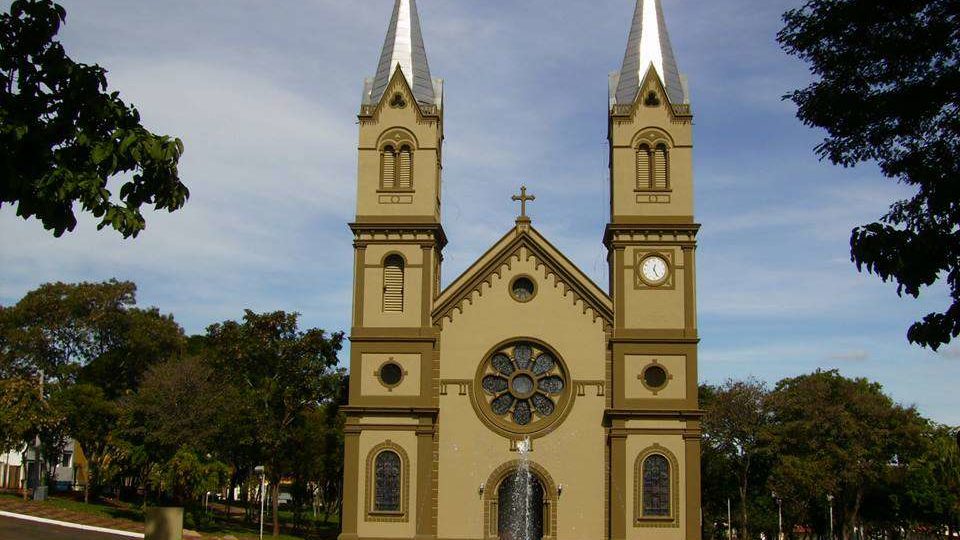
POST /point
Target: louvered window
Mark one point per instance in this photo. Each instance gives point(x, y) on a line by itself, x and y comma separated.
point(388, 168)
point(393, 283)
point(643, 167)
point(405, 172)
point(661, 168)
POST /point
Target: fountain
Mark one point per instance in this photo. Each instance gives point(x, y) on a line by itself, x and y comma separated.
point(521, 501)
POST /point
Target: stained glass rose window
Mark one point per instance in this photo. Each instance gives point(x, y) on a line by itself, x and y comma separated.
point(523, 386)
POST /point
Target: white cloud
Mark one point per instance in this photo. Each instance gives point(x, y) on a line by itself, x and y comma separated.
point(850, 356)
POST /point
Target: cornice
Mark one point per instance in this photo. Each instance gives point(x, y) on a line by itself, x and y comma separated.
point(367, 232)
point(647, 414)
point(674, 233)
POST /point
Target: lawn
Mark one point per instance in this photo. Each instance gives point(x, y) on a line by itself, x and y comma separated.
point(117, 511)
point(316, 529)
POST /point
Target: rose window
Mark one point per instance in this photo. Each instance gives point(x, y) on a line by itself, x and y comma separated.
point(523, 386)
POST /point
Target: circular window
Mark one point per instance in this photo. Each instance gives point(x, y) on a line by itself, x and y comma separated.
point(523, 289)
point(522, 387)
point(390, 374)
point(655, 377)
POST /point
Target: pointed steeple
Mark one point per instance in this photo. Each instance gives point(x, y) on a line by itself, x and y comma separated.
point(404, 48)
point(649, 43)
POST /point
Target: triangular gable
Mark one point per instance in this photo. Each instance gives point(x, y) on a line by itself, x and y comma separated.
point(398, 83)
point(527, 241)
point(652, 78)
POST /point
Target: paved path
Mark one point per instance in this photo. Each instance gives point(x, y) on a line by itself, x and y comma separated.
point(16, 529)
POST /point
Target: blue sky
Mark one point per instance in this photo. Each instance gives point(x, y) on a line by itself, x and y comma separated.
point(265, 96)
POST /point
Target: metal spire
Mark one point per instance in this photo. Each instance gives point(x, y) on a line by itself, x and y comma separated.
point(404, 48)
point(649, 44)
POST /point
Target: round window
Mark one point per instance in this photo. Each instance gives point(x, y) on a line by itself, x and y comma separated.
point(523, 289)
point(655, 377)
point(522, 387)
point(390, 374)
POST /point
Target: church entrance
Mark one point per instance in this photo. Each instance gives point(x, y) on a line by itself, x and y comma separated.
point(521, 507)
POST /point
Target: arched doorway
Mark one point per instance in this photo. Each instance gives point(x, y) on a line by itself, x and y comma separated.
point(520, 506)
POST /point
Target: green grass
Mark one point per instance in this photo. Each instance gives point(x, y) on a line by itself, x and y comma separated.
point(120, 511)
point(242, 531)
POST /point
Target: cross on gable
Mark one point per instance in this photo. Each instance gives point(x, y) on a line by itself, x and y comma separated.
point(523, 198)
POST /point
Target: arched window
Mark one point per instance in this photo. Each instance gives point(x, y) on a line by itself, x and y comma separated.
point(387, 487)
point(393, 283)
point(387, 484)
point(405, 171)
point(656, 486)
point(661, 168)
point(388, 168)
point(643, 166)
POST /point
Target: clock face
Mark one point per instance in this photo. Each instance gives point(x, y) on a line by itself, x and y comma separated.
point(654, 269)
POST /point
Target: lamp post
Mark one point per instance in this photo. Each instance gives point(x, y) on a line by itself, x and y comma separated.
point(779, 515)
point(729, 521)
point(263, 478)
point(830, 500)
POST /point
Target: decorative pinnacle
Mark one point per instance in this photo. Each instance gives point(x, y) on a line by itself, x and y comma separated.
point(523, 198)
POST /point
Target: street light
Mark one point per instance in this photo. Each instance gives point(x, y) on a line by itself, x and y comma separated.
point(729, 521)
point(263, 478)
point(830, 500)
point(779, 515)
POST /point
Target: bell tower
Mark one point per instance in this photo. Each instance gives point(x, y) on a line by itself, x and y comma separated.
point(653, 414)
point(398, 243)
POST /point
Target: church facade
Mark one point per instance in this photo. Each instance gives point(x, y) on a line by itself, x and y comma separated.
point(523, 400)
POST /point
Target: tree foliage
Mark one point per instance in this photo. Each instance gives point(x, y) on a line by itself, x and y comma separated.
point(91, 344)
point(887, 90)
point(734, 431)
point(837, 436)
point(63, 138)
point(92, 330)
point(23, 413)
point(284, 371)
point(90, 419)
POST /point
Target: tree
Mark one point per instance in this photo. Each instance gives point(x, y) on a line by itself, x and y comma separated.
point(931, 486)
point(836, 436)
point(69, 331)
point(734, 428)
point(90, 419)
point(86, 333)
point(286, 371)
point(23, 413)
point(63, 137)
point(888, 91)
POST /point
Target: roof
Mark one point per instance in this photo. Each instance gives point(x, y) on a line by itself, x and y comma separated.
point(648, 44)
point(575, 283)
point(403, 49)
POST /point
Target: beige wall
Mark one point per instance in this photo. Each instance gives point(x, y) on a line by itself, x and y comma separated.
point(373, 314)
point(675, 365)
point(625, 135)
point(376, 529)
point(370, 384)
point(636, 445)
point(409, 125)
point(654, 307)
point(573, 453)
